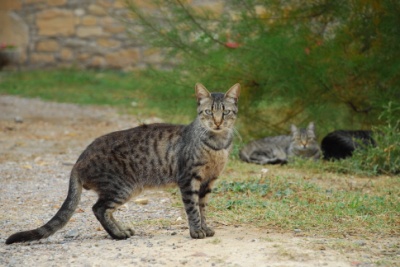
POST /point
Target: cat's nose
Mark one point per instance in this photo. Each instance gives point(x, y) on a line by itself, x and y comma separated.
point(218, 120)
point(218, 123)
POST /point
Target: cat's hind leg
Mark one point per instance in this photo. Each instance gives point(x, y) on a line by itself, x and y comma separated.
point(103, 209)
point(262, 160)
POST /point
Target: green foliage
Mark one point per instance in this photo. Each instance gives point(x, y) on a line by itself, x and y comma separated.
point(384, 158)
point(332, 62)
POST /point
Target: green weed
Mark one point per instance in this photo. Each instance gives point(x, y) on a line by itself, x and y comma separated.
point(288, 202)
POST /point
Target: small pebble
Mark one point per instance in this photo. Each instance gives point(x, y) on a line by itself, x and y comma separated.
point(72, 234)
point(18, 119)
point(360, 243)
point(142, 201)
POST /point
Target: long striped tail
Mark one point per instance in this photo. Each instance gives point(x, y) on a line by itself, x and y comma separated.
point(58, 221)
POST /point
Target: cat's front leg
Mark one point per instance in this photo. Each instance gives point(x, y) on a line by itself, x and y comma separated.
point(190, 197)
point(205, 189)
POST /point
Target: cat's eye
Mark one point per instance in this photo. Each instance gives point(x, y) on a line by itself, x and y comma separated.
point(208, 112)
point(226, 112)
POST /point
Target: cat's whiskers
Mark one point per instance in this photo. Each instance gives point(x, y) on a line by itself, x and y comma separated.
point(201, 134)
point(237, 133)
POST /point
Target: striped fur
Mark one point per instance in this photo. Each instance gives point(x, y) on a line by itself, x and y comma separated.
point(279, 149)
point(121, 164)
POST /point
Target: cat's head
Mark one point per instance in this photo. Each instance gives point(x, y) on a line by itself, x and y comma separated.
point(304, 139)
point(217, 111)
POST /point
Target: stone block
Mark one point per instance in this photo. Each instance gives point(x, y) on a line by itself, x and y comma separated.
point(35, 1)
point(123, 58)
point(108, 43)
point(75, 42)
point(66, 54)
point(83, 56)
point(146, 3)
point(89, 20)
point(79, 12)
point(114, 28)
point(105, 3)
point(97, 62)
point(153, 55)
point(107, 21)
point(14, 30)
point(119, 4)
point(55, 22)
point(97, 10)
point(10, 5)
point(42, 58)
point(88, 31)
point(56, 2)
point(47, 46)
point(212, 9)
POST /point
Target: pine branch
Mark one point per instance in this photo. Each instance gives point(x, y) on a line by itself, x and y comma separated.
point(198, 25)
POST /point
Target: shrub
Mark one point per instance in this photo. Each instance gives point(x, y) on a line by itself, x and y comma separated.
point(384, 158)
point(332, 62)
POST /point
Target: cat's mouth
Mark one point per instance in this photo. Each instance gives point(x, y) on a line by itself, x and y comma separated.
point(217, 128)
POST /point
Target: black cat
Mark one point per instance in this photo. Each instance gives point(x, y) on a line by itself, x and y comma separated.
point(340, 144)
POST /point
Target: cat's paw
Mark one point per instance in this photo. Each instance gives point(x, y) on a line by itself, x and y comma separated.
point(123, 234)
point(208, 231)
point(128, 232)
point(197, 233)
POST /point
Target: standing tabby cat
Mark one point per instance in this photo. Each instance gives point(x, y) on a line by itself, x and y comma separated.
point(278, 149)
point(121, 164)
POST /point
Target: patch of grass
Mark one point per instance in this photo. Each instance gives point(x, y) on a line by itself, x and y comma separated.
point(289, 201)
point(215, 241)
point(136, 93)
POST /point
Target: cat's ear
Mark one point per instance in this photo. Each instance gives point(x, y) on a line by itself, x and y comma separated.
point(311, 126)
point(233, 92)
point(293, 128)
point(201, 92)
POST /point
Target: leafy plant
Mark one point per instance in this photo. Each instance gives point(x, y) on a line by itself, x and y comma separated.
point(328, 61)
point(384, 158)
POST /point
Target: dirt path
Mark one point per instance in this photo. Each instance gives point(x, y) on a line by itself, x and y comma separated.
point(38, 143)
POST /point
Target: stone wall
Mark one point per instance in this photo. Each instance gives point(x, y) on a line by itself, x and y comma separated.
point(72, 33)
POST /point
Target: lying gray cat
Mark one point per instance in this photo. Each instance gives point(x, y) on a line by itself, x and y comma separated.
point(278, 149)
